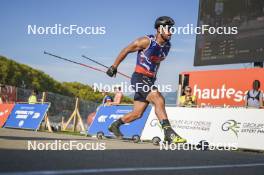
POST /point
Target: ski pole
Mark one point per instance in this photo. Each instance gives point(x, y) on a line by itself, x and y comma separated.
point(104, 66)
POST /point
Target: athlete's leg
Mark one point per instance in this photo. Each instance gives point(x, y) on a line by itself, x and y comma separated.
point(158, 101)
point(138, 110)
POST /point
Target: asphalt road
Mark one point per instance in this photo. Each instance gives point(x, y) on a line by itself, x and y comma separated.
point(119, 157)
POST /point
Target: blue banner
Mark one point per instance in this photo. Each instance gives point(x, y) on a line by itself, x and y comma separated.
point(27, 116)
point(106, 115)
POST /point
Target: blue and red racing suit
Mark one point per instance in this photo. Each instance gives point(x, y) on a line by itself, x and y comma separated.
point(148, 62)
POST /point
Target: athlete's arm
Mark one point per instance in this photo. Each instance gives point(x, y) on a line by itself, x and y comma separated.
point(139, 44)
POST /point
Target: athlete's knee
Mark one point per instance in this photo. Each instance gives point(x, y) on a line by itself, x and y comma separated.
point(157, 98)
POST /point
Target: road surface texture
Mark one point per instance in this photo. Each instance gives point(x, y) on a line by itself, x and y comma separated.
point(118, 158)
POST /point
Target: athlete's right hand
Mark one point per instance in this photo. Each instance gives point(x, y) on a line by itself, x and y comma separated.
point(111, 71)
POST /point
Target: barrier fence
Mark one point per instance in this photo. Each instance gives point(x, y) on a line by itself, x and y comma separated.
point(61, 107)
point(241, 127)
point(221, 127)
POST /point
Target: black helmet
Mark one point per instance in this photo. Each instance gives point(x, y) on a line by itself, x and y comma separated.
point(163, 21)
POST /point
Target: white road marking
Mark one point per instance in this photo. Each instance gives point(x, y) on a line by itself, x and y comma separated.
point(135, 169)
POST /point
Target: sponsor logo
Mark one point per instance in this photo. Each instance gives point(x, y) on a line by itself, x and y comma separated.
point(36, 115)
point(21, 123)
point(23, 114)
point(191, 125)
point(123, 111)
point(115, 116)
point(102, 118)
point(246, 127)
point(218, 93)
point(4, 112)
point(154, 123)
point(231, 125)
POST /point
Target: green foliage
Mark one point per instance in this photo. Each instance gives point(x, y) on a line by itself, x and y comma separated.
point(20, 75)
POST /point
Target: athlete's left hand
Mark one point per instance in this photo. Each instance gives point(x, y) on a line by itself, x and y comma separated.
point(111, 71)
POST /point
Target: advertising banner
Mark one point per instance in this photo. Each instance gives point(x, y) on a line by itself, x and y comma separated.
point(223, 87)
point(245, 127)
point(192, 124)
point(227, 127)
point(108, 114)
point(5, 110)
point(27, 116)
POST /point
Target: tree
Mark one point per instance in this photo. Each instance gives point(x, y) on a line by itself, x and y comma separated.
point(19, 75)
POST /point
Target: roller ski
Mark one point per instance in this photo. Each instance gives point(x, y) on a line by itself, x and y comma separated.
point(114, 128)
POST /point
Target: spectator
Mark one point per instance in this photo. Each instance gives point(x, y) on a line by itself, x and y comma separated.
point(3, 95)
point(188, 100)
point(254, 97)
point(107, 99)
point(118, 96)
point(33, 97)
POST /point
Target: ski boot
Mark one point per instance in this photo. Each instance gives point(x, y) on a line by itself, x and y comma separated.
point(114, 128)
point(172, 137)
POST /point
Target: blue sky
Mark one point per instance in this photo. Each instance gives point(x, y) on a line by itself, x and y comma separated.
point(124, 21)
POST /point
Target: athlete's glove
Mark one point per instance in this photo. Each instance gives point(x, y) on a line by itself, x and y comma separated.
point(111, 71)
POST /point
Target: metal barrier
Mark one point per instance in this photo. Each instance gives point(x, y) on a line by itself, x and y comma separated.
point(61, 106)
